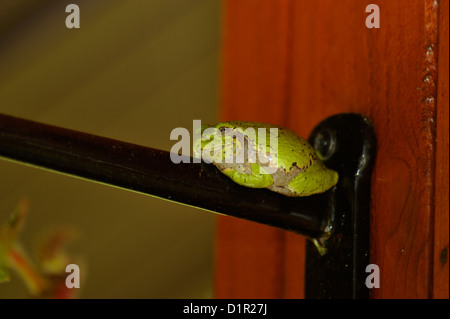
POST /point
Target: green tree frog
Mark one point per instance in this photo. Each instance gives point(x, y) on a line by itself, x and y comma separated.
point(270, 156)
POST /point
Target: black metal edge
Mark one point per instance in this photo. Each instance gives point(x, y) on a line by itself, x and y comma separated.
point(348, 144)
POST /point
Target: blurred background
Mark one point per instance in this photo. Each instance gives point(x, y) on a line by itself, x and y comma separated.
point(134, 71)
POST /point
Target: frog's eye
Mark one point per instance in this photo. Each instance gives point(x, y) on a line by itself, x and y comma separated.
point(222, 129)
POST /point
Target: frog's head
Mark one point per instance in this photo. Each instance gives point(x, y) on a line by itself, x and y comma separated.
point(206, 139)
point(199, 142)
point(210, 142)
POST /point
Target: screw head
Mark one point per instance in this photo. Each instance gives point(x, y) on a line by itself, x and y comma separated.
point(325, 144)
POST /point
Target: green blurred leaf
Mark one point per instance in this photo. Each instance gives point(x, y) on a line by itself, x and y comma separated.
point(16, 219)
point(8, 234)
point(4, 270)
point(4, 274)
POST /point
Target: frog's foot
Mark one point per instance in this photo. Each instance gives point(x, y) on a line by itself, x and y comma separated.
point(257, 179)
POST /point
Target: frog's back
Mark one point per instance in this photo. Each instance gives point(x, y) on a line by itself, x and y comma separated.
point(244, 125)
point(293, 150)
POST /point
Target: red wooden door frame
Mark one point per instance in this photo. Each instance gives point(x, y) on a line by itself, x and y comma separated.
point(293, 63)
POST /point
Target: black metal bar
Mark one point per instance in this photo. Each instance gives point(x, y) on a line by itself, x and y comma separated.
point(340, 217)
point(150, 171)
point(349, 145)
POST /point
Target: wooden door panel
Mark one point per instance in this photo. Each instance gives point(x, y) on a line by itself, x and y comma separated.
point(388, 74)
point(440, 270)
point(296, 62)
point(253, 260)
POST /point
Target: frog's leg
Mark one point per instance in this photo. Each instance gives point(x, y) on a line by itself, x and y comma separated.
point(316, 179)
point(254, 180)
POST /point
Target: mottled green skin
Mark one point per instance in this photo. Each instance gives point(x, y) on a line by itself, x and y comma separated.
point(297, 170)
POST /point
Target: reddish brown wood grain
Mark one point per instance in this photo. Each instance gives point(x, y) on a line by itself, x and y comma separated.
point(388, 74)
point(441, 269)
point(255, 261)
point(296, 62)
